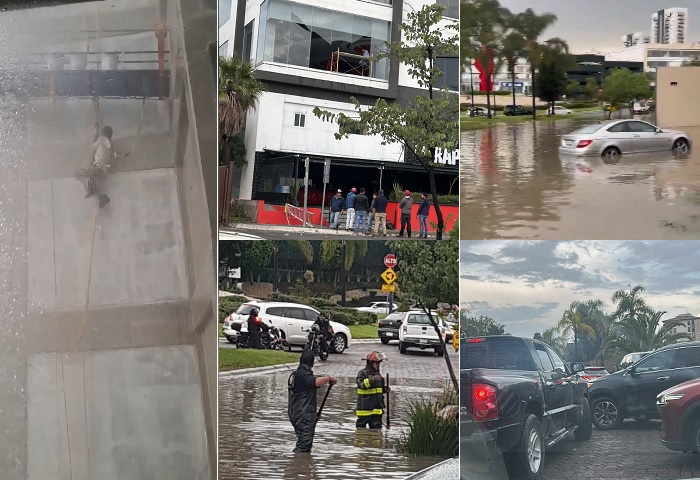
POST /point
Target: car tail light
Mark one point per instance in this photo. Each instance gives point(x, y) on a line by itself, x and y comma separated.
point(484, 405)
point(476, 340)
point(583, 143)
point(586, 377)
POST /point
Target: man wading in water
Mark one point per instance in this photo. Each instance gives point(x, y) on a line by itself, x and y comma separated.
point(102, 153)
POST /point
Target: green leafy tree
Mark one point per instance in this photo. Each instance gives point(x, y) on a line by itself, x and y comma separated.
point(429, 274)
point(428, 122)
point(693, 62)
point(622, 87)
point(342, 254)
point(239, 91)
point(641, 332)
point(554, 338)
point(591, 88)
point(531, 26)
point(554, 62)
point(478, 326)
point(629, 304)
point(572, 90)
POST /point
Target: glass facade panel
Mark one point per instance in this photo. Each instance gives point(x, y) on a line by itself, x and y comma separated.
point(319, 38)
point(451, 8)
point(224, 11)
point(223, 49)
point(450, 68)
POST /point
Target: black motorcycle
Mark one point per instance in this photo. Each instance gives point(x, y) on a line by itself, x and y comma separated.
point(313, 343)
point(270, 338)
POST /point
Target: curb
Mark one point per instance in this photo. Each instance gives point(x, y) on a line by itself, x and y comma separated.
point(354, 341)
point(257, 370)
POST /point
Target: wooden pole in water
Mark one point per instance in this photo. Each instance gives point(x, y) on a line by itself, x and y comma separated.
point(388, 409)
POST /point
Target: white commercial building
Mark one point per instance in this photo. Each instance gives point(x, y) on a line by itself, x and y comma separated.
point(655, 55)
point(309, 55)
point(669, 26)
point(636, 38)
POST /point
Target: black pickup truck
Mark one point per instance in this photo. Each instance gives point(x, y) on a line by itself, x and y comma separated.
point(518, 397)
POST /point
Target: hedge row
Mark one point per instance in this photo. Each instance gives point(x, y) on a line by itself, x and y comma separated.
point(228, 305)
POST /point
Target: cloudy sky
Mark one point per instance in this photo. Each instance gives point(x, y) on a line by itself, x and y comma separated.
point(600, 24)
point(527, 285)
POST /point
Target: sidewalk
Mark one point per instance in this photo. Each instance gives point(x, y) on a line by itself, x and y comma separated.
point(284, 232)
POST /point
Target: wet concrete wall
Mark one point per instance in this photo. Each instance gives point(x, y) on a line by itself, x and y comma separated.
point(678, 104)
point(111, 312)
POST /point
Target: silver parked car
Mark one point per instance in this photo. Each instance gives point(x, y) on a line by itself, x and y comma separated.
point(613, 138)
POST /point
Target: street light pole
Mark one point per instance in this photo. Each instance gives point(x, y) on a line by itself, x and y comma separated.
point(306, 189)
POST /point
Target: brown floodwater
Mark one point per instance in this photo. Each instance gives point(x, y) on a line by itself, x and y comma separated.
point(256, 439)
point(515, 185)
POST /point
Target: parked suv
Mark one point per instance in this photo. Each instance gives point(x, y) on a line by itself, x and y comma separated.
point(512, 110)
point(680, 416)
point(389, 326)
point(292, 319)
point(418, 332)
point(631, 393)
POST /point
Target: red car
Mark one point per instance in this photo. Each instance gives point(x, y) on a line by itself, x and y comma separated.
point(680, 416)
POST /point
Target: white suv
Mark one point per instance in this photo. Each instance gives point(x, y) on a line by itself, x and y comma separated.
point(292, 319)
point(416, 331)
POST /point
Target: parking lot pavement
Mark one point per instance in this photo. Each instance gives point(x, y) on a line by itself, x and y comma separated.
point(413, 365)
point(416, 364)
point(631, 452)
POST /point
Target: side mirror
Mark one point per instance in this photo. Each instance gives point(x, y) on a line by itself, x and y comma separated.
point(558, 376)
point(577, 367)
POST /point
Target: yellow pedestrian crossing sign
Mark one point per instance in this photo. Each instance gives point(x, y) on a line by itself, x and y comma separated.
point(389, 276)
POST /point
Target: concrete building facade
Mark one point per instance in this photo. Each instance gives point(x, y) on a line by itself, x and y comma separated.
point(689, 324)
point(656, 55)
point(678, 104)
point(311, 56)
point(108, 357)
point(670, 26)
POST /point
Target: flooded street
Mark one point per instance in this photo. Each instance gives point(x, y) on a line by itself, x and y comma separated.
point(514, 185)
point(255, 434)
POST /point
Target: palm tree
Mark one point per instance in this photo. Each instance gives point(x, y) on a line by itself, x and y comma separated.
point(513, 49)
point(341, 253)
point(592, 315)
point(573, 321)
point(553, 337)
point(641, 333)
point(629, 304)
point(531, 27)
point(239, 91)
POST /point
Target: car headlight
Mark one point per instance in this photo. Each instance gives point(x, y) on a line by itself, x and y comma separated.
point(669, 397)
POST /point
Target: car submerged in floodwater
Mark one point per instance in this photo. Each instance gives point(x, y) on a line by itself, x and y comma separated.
point(611, 139)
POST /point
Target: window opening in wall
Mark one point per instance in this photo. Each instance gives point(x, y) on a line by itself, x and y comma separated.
point(223, 49)
point(322, 39)
point(247, 41)
point(299, 120)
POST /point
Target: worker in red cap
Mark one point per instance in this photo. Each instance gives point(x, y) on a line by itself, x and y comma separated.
point(370, 393)
point(406, 207)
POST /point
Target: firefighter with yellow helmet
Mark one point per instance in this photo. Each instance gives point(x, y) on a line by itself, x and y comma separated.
point(371, 388)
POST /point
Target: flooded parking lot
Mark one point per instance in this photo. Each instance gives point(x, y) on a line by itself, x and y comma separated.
point(515, 185)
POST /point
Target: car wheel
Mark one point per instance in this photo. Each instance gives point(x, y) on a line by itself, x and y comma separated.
point(681, 146)
point(340, 343)
point(385, 340)
point(611, 153)
point(527, 458)
point(605, 413)
point(693, 437)
point(585, 426)
point(402, 348)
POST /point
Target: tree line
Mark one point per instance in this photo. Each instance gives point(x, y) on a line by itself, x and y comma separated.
point(597, 337)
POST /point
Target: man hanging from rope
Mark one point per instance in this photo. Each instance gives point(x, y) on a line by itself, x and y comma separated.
point(102, 153)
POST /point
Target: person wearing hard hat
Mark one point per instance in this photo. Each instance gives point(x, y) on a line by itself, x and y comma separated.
point(370, 393)
point(254, 328)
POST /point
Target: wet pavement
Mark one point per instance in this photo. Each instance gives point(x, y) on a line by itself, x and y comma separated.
point(256, 439)
point(632, 451)
point(514, 185)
